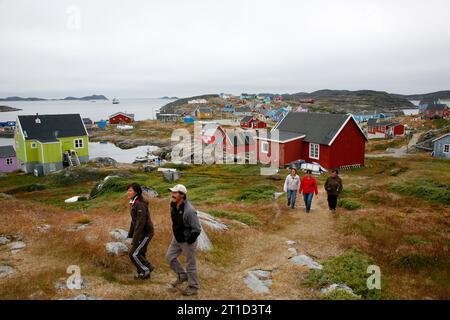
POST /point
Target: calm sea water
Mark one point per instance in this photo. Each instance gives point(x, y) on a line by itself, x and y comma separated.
point(97, 149)
point(100, 110)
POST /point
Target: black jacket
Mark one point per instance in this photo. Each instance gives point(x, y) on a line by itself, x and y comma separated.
point(333, 185)
point(141, 223)
point(185, 223)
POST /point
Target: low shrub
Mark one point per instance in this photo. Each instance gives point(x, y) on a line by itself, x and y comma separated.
point(246, 218)
point(415, 261)
point(256, 193)
point(349, 269)
point(429, 190)
point(27, 188)
point(83, 219)
point(349, 204)
point(113, 184)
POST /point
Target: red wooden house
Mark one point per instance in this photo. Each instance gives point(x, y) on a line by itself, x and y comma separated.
point(239, 142)
point(121, 117)
point(332, 140)
point(384, 129)
point(251, 122)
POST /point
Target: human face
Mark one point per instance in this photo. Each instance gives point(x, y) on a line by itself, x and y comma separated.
point(176, 197)
point(293, 172)
point(334, 174)
point(131, 193)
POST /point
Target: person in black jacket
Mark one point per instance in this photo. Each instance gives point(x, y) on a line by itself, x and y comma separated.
point(186, 229)
point(141, 231)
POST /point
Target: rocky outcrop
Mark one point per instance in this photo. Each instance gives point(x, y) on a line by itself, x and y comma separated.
point(6, 271)
point(104, 162)
point(259, 280)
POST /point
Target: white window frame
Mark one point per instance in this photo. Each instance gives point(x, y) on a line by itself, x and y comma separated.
point(448, 148)
point(34, 145)
point(264, 146)
point(80, 145)
point(9, 161)
point(312, 146)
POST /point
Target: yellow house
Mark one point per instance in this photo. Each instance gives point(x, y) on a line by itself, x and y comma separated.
point(203, 113)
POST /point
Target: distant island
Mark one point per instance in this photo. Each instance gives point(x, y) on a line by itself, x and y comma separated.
point(8, 109)
point(169, 98)
point(87, 98)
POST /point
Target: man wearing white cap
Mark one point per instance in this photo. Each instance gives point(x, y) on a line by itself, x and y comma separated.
point(186, 229)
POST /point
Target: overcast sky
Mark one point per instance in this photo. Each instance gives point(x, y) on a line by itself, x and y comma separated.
point(180, 48)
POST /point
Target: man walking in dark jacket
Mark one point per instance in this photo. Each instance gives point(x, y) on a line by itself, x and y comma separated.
point(141, 231)
point(333, 186)
point(186, 229)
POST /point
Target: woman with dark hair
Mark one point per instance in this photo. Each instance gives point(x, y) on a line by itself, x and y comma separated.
point(141, 231)
point(333, 186)
point(308, 186)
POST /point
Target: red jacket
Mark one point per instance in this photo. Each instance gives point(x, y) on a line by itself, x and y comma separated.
point(308, 185)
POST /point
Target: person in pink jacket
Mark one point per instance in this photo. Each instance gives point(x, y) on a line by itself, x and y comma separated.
point(308, 186)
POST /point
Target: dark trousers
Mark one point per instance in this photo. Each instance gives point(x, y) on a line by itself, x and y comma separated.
point(138, 253)
point(332, 201)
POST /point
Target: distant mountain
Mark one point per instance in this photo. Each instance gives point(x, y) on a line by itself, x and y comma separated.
point(22, 99)
point(87, 98)
point(445, 95)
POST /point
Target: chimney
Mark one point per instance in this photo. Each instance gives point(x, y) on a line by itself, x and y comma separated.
point(37, 120)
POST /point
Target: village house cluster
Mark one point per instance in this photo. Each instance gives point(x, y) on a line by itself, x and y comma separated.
point(263, 127)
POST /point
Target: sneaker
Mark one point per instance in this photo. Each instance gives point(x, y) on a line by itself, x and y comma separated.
point(190, 291)
point(177, 282)
point(142, 276)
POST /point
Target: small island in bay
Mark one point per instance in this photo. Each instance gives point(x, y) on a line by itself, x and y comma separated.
point(8, 109)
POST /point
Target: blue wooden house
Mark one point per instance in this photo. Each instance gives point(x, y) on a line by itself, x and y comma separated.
point(441, 146)
point(229, 108)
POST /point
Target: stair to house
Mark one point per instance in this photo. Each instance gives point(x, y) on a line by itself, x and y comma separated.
point(72, 158)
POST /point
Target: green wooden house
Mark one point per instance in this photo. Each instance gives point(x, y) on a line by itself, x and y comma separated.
point(48, 143)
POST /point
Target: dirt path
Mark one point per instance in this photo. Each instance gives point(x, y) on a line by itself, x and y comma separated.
point(399, 152)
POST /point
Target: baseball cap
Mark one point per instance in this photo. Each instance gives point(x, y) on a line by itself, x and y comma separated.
point(179, 188)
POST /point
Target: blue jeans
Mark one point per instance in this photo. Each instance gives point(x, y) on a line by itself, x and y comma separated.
point(308, 200)
point(291, 197)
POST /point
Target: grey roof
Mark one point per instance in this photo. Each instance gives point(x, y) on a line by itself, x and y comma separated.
point(371, 122)
point(282, 136)
point(317, 127)
point(63, 125)
point(441, 137)
point(436, 107)
point(246, 118)
point(7, 152)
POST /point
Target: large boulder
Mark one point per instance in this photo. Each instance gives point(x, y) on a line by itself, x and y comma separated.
point(104, 162)
point(211, 221)
point(116, 249)
point(16, 245)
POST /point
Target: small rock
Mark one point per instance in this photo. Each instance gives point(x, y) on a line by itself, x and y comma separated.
point(116, 248)
point(6, 196)
point(290, 242)
point(276, 195)
point(336, 286)
point(119, 234)
point(4, 240)
point(16, 245)
point(78, 227)
point(304, 260)
point(91, 238)
point(44, 227)
point(6, 271)
point(83, 297)
point(62, 285)
point(259, 280)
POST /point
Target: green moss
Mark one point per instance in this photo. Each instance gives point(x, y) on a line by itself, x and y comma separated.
point(429, 190)
point(416, 261)
point(349, 269)
point(415, 240)
point(246, 218)
point(257, 193)
point(349, 204)
point(27, 188)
